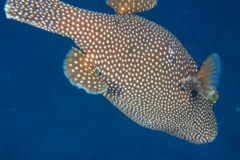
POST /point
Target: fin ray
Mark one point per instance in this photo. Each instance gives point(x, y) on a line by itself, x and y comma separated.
point(209, 73)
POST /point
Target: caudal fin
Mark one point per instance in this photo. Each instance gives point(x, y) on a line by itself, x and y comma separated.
point(50, 15)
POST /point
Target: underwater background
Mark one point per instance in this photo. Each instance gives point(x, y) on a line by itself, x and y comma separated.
point(44, 117)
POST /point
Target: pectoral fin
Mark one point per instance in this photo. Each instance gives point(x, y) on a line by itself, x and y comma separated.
point(206, 80)
point(209, 77)
point(209, 73)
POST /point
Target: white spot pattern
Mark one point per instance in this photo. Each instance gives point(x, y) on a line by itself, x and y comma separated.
point(141, 64)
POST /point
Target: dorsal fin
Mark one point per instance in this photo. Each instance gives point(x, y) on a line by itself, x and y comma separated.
point(131, 6)
point(82, 73)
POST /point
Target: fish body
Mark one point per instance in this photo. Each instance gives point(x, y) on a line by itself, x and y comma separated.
point(139, 66)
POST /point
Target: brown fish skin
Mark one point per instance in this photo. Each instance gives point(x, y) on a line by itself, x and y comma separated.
point(140, 63)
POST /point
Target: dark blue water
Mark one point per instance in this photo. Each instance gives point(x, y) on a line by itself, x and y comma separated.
point(44, 117)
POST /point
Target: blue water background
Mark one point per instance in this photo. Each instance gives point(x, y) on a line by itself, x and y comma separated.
point(44, 117)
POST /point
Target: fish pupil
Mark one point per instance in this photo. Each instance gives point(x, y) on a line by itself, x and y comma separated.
point(194, 93)
point(100, 74)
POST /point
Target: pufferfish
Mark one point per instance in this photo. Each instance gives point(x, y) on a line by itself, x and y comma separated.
point(139, 66)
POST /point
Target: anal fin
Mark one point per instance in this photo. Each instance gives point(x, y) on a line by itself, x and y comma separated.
point(82, 73)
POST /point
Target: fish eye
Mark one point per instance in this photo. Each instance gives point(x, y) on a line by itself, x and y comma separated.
point(194, 93)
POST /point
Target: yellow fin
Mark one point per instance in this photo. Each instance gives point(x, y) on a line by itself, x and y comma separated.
point(205, 82)
point(82, 73)
point(209, 73)
point(209, 77)
point(131, 6)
